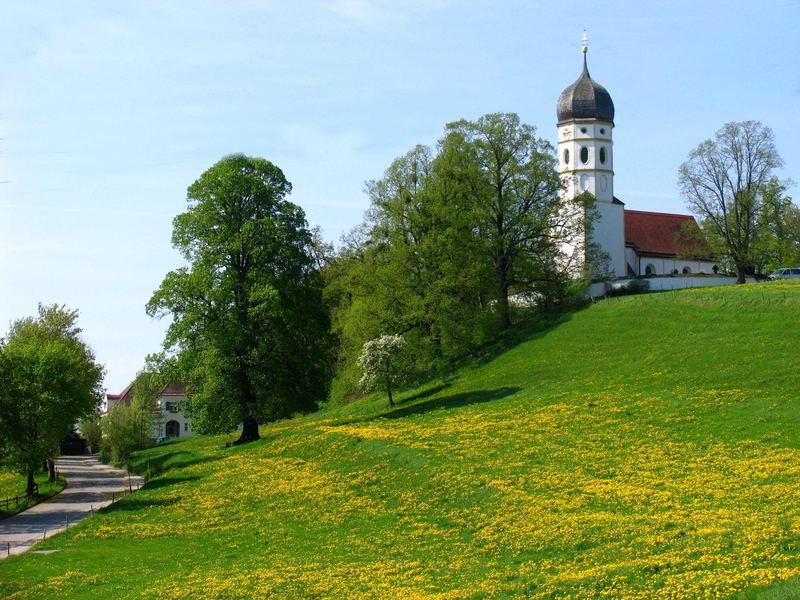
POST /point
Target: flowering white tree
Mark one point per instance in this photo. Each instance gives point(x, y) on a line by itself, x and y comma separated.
point(382, 364)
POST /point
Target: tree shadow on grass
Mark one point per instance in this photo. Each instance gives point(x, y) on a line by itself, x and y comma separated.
point(528, 326)
point(431, 391)
point(452, 401)
point(153, 466)
point(167, 481)
point(134, 502)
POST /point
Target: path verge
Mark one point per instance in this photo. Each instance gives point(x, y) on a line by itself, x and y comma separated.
point(90, 485)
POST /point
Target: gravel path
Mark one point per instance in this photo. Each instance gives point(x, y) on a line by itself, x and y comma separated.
point(90, 485)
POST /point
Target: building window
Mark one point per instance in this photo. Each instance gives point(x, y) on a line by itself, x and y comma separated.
point(650, 270)
point(603, 154)
point(566, 156)
point(583, 129)
point(602, 131)
point(584, 155)
point(186, 426)
point(687, 271)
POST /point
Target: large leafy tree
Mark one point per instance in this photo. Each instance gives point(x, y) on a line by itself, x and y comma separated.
point(724, 182)
point(449, 236)
point(515, 189)
point(778, 239)
point(49, 380)
point(415, 267)
point(249, 328)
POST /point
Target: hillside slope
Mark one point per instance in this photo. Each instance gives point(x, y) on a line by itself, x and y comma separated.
point(647, 446)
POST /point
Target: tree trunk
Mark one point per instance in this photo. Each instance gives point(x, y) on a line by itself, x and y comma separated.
point(247, 407)
point(391, 401)
point(249, 431)
point(51, 470)
point(502, 297)
point(31, 484)
point(740, 274)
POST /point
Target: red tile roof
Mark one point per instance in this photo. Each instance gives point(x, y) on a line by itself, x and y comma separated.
point(123, 395)
point(663, 234)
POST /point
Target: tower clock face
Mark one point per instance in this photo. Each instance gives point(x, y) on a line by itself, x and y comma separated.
point(566, 133)
point(584, 182)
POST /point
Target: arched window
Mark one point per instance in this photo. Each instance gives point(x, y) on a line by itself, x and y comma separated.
point(603, 155)
point(584, 155)
point(566, 156)
point(686, 271)
point(715, 268)
point(650, 270)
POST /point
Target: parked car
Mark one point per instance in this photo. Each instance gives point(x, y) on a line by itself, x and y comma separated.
point(785, 273)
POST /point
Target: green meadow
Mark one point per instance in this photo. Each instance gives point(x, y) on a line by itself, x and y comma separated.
point(12, 485)
point(643, 447)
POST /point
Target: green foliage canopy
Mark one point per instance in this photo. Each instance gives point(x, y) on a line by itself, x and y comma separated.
point(49, 379)
point(514, 188)
point(250, 329)
point(91, 430)
point(450, 237)
point(724, 182)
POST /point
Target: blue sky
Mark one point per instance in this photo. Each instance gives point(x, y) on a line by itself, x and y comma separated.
point(109, 110)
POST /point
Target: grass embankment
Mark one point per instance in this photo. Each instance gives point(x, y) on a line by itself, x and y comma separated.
point(647, 447)
point(12, 485)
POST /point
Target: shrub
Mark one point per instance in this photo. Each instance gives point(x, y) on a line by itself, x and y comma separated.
point(634, 286)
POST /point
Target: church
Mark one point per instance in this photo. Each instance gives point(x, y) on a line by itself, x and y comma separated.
point(636, 243)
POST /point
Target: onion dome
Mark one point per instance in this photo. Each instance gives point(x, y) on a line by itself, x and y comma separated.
point(585, 99)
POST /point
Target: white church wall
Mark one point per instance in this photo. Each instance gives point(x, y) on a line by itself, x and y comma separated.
point(609, 232)
point(632, 259)
point(662, 284)
point(668, 266)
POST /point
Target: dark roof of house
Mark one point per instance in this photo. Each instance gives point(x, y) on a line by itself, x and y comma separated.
point(664, 234)
point(173, 389)
point(585, 99)
point(123, 395)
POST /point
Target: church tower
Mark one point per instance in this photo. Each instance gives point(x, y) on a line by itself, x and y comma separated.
point(586, 160)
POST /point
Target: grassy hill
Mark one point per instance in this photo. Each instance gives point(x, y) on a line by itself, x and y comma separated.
point(645, 447)
point(12, 485)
